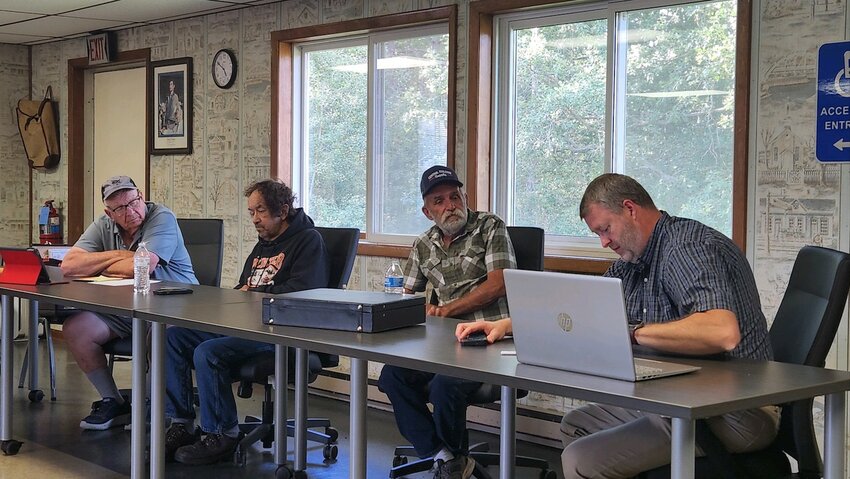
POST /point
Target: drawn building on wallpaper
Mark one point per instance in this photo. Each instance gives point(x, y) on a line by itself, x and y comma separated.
point(786, 224)
point(788, 160)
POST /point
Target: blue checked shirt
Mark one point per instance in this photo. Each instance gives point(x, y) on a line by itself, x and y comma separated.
point(484, 246)
point(687, 268)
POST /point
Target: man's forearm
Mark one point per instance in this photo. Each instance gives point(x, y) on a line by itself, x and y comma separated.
point(709, 332)
point(123, 268)
point(84, 263)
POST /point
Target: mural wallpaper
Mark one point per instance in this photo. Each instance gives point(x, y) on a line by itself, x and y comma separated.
point(14, 176)
point(796, 199)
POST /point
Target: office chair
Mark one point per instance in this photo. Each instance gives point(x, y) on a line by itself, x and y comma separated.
point(802, 333)
point(341, 244)
point(528, 243)
point(204, 240)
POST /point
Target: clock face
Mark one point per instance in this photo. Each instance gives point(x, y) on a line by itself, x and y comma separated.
point(224, 68)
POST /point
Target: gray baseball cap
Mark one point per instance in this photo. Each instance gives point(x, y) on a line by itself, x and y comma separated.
point(116, 183)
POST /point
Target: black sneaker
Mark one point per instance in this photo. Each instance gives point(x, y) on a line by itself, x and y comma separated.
point(211, 449)
point(178, 436)
point(461, 467)
point(105, 414)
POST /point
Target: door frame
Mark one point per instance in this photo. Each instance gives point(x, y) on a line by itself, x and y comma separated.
point(79, 73)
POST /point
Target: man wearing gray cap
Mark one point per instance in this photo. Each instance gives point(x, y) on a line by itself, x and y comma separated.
point(461, 258)
point(107, 247)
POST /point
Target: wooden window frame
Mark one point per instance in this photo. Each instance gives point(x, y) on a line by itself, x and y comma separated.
point(281, 111)
point(479, 140)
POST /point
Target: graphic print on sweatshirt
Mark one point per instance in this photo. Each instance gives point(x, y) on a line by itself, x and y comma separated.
point(263, 270)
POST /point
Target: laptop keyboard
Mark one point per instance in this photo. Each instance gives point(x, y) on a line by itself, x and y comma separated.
point(642, 371)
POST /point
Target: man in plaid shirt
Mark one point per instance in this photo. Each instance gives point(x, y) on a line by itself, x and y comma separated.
point(461, 259)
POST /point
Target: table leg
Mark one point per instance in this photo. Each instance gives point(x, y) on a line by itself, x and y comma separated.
point(281, 379)
point(138, 433)
point(834, 435)
point(507, 435)
point(357, 443)
point(683, 448)
point(32, 333)
point(6, 332)
point(300, 409)
point(157, 372)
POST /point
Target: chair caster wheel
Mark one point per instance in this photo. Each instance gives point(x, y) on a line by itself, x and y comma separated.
point(10, 447)
point(330, 451)
point(332, 434)
point(548, 474)
point(399, 461)
point(36, 395)
point(283, 472)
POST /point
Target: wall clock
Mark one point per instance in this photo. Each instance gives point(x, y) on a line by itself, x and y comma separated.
point(224, 68)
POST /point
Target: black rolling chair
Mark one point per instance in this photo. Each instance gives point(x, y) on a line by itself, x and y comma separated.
point(528, 245)
point(204, 240)
point(802, 333)
point(341, 244)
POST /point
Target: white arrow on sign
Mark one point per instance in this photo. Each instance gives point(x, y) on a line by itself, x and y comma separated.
point(841, 144)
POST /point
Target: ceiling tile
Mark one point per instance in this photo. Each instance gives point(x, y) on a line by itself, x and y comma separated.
point(50, 6)
point(147, 10)
point(60, 26)
point(11, 17)
point(11, 38)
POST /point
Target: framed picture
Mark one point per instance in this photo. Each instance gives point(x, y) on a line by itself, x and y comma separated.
point(171, 103)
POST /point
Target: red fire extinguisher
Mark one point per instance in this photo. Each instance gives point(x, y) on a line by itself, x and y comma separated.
point(49, 225)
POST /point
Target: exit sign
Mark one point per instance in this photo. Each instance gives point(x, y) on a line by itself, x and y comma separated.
point(100, 48)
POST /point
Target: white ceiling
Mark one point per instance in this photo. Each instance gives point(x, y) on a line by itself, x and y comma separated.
point(30, 22)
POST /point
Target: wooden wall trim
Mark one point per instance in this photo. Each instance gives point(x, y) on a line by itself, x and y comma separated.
point(741, 147)
point(77, 69)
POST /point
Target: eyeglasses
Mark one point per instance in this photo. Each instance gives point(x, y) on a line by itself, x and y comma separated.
point(122, 209)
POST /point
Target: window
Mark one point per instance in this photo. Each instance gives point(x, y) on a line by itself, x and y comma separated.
point(627, 87)
point(371, 113)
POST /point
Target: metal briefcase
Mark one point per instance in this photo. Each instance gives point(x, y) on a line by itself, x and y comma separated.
point(345, 310)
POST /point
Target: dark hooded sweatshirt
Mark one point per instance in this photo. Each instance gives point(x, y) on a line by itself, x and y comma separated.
point(294, 261)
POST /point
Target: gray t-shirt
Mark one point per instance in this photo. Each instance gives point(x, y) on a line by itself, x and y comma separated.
point(161, 235)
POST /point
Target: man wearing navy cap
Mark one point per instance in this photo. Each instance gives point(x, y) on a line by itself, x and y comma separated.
point(460, 260)
point(107, 247)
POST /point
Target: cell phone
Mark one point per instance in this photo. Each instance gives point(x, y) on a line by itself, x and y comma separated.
point(173, 290)
point(478, 338)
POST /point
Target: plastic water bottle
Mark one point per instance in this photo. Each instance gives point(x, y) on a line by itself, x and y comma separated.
point(394, 280)
point(141, 270)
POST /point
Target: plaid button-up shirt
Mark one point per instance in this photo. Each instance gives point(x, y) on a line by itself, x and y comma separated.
point(687, 268)
point(483, 246)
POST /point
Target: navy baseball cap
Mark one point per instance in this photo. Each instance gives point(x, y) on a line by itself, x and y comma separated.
point(437, 175)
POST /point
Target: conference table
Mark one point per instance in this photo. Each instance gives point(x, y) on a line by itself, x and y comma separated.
point(719, 387)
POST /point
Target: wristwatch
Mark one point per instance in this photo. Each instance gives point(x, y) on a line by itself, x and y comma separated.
point(632, 328)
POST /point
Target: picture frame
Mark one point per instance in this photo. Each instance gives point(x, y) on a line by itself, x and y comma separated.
point(170, 87)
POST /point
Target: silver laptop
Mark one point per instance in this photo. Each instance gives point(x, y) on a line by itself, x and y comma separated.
point(577, 323)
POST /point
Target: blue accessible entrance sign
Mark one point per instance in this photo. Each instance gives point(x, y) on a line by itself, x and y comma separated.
point(833, 115)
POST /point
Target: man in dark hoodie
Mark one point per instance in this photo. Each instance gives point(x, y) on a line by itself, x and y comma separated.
point(289, 256)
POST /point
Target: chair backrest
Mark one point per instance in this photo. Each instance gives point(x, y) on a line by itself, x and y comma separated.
point(204, 240)
point(528, 246)
point(341, 244)
point(802, 333)
point(811, 309)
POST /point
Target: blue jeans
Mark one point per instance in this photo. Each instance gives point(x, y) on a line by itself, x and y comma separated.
point(410, 391)
point(213, 357)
